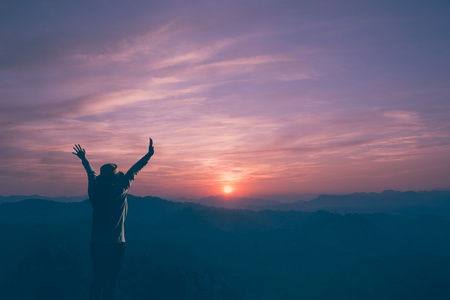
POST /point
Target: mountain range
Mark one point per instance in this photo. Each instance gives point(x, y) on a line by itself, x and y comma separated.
point(392, 202)
point(17, 198)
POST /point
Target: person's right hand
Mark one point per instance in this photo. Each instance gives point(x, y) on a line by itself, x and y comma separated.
point(151, 150)
point(80, 152)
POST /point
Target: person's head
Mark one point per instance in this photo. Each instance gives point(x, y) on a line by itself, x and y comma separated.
point(109, 173)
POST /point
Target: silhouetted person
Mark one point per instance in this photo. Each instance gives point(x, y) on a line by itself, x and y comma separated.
point(108, 196)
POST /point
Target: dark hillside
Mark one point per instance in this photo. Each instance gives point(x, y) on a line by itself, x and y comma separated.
point(188, 251)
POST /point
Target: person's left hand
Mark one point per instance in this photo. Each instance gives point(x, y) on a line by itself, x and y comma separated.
point(151, 150)
point(80, 152)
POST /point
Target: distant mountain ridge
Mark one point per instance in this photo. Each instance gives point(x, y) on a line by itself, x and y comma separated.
point(232, 202)
point(389, 201)
point(213, 201)
point(392, 202)
point(404, 203)
point(17, 198)
point(37, 210)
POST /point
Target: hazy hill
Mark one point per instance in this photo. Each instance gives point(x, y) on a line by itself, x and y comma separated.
point(47, 211)
point(17, 198)
point(394, 202)
point(231, 202)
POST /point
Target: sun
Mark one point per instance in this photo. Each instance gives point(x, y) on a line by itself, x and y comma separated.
point(227, 189)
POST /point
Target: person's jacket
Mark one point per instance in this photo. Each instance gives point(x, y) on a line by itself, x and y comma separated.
point(109, 202)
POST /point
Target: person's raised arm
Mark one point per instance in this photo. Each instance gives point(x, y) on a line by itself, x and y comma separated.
point(81, 153)
point(132, 172)
point(144, 160)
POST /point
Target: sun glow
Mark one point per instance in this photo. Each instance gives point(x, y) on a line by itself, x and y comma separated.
point(228, 189)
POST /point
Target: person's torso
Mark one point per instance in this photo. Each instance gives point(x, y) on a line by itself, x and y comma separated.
point(109, 203)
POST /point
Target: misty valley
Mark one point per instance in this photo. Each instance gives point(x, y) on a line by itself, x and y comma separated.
point(191, 251)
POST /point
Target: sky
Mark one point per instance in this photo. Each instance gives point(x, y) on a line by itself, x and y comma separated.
point(268, 97)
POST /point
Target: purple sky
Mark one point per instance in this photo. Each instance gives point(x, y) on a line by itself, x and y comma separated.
point(267, 96)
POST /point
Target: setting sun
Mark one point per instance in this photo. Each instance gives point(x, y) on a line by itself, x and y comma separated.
point(228, 189)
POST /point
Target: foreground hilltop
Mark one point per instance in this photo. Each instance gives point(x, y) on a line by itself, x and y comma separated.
point(189, 251)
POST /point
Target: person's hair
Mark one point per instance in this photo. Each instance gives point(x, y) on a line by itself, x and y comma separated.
point(109, 179)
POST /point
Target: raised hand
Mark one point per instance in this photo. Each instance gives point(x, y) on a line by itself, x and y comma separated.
point(80, 152)
point(151, 150)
